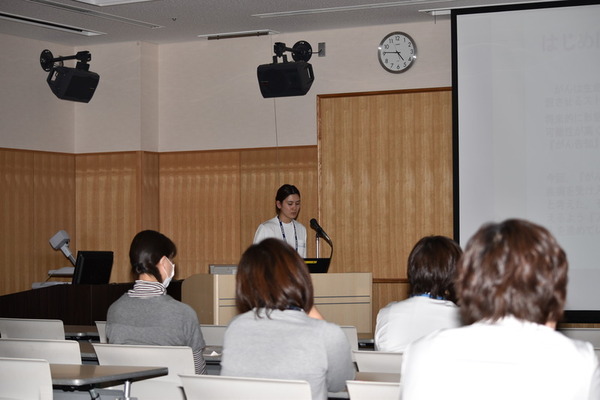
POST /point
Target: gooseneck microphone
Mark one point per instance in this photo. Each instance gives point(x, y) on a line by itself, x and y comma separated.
point(315, 225)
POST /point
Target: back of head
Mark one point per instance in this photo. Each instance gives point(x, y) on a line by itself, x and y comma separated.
point(146, 250)
point(272, 275)
point(432, 266)
point(513, 268)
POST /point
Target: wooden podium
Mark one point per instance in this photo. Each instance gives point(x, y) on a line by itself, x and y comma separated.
point(345, 299)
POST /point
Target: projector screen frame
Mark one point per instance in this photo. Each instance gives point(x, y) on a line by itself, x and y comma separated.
point(570, 316)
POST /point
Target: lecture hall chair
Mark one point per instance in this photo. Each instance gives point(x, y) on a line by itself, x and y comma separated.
point(201, 387)
point(591, 335)
point(178, 359)
point(53, 351)
point(26, 328)
point(366, 390)
point(101, 327)
point(378, 361)
point(213, 334)
point(25, 379)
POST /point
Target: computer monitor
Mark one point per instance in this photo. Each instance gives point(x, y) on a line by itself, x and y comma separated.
point(93, 267)
point(317, 265)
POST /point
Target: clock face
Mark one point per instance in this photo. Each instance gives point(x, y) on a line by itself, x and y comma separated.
point(397, 52)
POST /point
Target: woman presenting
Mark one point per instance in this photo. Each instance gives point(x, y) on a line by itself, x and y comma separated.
point(284, 226)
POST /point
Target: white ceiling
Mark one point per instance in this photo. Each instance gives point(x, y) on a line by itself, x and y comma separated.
point(184, 20)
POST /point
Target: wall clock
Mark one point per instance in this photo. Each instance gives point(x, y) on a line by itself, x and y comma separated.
point(397, 52)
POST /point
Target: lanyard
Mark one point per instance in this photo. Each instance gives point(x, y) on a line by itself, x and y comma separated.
point(283, 232)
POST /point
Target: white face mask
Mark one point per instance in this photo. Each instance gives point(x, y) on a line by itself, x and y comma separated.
point(168, 279)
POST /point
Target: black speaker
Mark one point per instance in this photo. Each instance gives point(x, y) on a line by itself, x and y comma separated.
point(73, 84)
point(285, 79)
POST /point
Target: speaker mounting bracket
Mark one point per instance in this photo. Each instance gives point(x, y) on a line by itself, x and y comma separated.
point(301, 51)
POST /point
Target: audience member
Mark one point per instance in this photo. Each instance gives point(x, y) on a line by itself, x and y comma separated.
point(511, 287)
point(146, 314)
point(273, 337)
point(284, 225)
point(431, 306)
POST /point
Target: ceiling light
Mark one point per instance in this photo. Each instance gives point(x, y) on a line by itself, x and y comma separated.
point(232, 35)
point(85, 11)
point(437, 12)
point(346, 8)
point(103, 3)
point(49, 25)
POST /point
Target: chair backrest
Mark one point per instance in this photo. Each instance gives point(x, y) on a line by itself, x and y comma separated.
point(213, 334)
point(25, 379)
point(591, 335)
point(378, 361)
point(364, 390)
point(53, 351)
point(352, 335)
point(32, 328)
point(178, 359)
point(101, 326)
point(215, 387)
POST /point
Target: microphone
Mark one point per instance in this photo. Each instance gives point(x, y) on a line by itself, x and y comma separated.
point(315, 225)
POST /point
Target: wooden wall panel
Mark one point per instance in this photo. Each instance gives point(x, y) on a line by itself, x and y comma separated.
point(107, 204)
point(263, 171)
point(16, 221)
point(200, 208)
point(149, 211)
point(37, 200)
point(386, 177)
point(54, 209)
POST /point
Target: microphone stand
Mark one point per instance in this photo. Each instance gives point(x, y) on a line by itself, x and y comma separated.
point(318, 245)
point(317, 237)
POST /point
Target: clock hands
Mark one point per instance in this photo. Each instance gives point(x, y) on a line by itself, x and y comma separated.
point(394, 52)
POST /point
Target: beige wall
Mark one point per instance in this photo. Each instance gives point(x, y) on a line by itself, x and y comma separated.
point(30, 115)
point(199, 95)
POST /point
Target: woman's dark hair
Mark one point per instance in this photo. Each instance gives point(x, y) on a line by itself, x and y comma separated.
point(283, 192)
point(513, 268)
point(272, 275)
point(432, 267)
point(146, 250)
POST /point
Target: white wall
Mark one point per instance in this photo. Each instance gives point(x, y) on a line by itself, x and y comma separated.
point(31, 117)
point(204, 95)
point(112, 120)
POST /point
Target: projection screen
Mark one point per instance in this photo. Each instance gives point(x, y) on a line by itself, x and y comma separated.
point(526, 87)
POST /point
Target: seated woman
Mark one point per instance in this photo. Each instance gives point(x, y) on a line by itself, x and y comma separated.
point(274, 337)
point(511, 285)
point(146, 314)
point(431, 305)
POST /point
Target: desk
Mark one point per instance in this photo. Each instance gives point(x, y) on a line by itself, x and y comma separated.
point(86, 376)
point(88, 355)
point(82, 332)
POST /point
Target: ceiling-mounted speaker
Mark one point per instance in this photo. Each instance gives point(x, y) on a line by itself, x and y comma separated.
point(73, 84)
point(285, 79)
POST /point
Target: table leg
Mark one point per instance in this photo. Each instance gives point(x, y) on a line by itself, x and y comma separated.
point(126, 390)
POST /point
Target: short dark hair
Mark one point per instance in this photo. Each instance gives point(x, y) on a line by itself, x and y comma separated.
point(147, 249)
point(513, 268)
point(283, 192)
point(272, 275)
point(432, 267)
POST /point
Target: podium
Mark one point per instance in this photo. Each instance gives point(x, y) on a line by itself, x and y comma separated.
point(344, 299)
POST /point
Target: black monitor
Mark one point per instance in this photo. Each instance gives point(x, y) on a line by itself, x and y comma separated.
point(93, 267)
point(317, 265)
